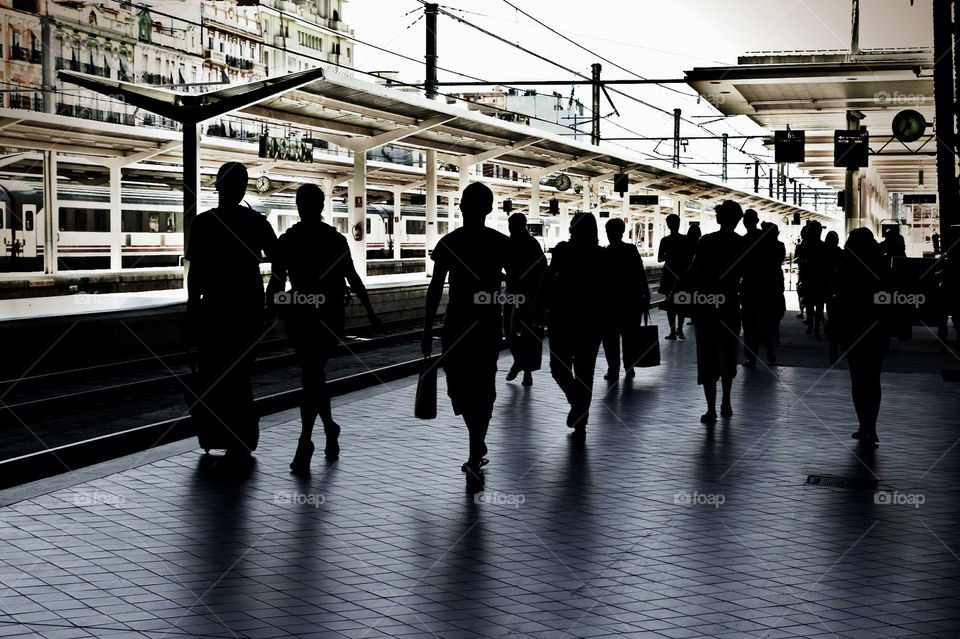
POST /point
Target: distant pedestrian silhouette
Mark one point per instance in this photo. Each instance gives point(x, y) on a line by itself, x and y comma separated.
point(474, 256)
point(694, 233)
point(813, 283)
point(752, 287)
point(832, 256)
point(676, 252)
point(893, 244)
point(317, 260)
point(773, 305)
point(525, 268)
point(860, 320)
point(572, 295)
point(715, 280)
point(627, 296)
point(226, 306)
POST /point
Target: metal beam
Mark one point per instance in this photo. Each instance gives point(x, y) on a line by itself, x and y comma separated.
point(360, 144)
point(538, 173)
point(485, 156)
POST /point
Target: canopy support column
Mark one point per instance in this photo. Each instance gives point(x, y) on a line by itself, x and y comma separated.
point(357, 213)
point(851, 183)
point(116, 236)
point(190, 186)
point(431, 212)
point(397, 222)
point(534, 211)
point(564, 221)
point(51, 216)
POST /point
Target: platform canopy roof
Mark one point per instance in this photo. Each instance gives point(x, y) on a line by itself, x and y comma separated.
point(357, 115)
point(814, 90)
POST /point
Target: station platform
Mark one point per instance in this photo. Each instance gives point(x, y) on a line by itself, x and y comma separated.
point(656, 527)
point(52, 306)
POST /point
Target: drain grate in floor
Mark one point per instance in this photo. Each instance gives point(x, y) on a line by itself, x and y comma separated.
point(832, 481)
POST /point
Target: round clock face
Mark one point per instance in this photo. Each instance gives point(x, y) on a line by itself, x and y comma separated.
point(562, 183)
point(909, 125)
point(263, 183)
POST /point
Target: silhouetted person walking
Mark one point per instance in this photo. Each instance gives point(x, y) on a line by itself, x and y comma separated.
point(525, 267)
point(694, 233)
point(572, 295)
point(893, 244)
point(860, 317)
point(751, 287)
point(627, 296)
point(715, 281)
point(317, 259)
point(770, 289)
point(812, 286)
point(474, 256)
point(675, 252)
point(226, 306)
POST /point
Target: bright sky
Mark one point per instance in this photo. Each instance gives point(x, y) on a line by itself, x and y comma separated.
point(654, 38)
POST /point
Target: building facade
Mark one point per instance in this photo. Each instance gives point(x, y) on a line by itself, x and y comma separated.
point(182, 45)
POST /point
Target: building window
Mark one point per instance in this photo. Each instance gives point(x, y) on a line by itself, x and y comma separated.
point(29, 6)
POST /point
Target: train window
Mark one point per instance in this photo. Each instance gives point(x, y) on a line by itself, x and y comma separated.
point(416, 227)
point(368, 226)
point(3, 214)
point(90, 220)
point(151, 222)
point(28, 221)
point(442, 227)
point(340, 223)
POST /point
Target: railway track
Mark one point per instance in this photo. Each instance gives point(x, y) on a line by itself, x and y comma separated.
point(92, 414)
point(33, 396)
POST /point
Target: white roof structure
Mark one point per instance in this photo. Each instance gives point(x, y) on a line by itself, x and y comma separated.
point(360, 115)
point(814, 90)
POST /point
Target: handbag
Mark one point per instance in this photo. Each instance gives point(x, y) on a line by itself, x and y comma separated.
point(642, 349)
point(425, 406)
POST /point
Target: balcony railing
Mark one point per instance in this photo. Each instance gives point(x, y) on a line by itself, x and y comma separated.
point(99, 115)
point(92, 69)
point(29, 103)
point(238, 63)
point(154, 78)
point(24, 54)
point(71, 65)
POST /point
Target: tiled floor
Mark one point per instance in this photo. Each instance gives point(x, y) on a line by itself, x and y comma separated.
point(657, 527)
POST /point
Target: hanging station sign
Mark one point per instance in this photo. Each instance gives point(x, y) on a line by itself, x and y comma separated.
point(851, 149)
point(920, 198)
point(284, 149)
point(644, 200)
point(788, 146)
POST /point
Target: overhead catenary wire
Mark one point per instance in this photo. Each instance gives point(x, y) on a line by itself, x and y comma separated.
point(590, 51)
point(201, 25)
point(568, 69)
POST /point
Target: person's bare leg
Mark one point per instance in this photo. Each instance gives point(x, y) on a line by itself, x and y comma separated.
point(309, 410)
point(477, 425)
point(710, 394)
point(672, 323)
point(725, 408)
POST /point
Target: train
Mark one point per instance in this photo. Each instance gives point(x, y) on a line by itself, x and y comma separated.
point(152, 226)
